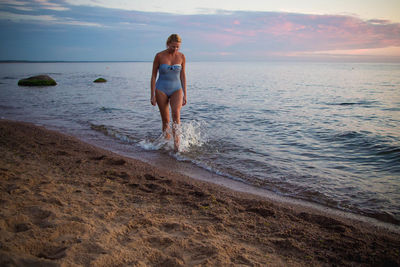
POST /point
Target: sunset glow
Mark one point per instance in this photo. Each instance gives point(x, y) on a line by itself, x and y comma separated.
point(236, 33)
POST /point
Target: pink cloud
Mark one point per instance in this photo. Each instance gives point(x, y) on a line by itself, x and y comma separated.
point(276, 34)
point(290, 34)
point(283, 28)
point(223, 40)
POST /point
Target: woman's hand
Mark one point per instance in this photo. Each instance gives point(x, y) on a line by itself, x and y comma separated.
point(184, 100)
point(153, 100)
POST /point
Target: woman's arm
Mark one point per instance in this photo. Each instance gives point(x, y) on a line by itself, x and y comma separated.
point(183, 80)
point(153, 80)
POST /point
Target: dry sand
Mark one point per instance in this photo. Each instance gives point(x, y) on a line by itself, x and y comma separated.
point(67, 203)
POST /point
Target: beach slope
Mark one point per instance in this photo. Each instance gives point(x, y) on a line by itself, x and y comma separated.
point(66, 203)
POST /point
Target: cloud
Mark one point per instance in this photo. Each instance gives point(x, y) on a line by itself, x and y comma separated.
point(219, 35)
point(277, 33)
point(14, 2)
point(115, 4)
point(386, 51)
point(34, 5)
point(22, 8)
point(32, 12)
point(18, 5)
point(379, 21)
point(70, 21)
point(21, 17)
point(46, 4)
point(47, 19)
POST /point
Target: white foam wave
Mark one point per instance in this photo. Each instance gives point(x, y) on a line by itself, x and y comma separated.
point(160, 143)
point(192, 134)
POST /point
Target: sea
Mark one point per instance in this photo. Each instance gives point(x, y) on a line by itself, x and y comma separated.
point(324, 133)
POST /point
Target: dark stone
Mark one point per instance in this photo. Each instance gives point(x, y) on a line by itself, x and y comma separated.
point(40, 80)
point(100, 80)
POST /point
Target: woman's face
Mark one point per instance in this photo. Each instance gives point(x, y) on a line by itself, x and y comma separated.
point(174, 47)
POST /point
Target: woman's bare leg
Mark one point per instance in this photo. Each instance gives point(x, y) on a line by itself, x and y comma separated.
point(162, 102)
point(176, 100)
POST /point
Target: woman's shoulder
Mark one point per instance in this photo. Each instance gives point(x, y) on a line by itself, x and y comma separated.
point(159, 54)
point(158, 57)
point(182, 56)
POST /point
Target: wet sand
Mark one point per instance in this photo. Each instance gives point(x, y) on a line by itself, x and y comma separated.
point(67, 203)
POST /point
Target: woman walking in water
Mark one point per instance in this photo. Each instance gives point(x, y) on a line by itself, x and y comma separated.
point(170, 88)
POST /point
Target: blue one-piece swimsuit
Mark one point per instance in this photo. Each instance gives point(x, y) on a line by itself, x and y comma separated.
point(169, 80)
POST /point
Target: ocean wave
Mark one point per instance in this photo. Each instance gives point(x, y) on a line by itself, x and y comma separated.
point(109, 110)
point(7, 107)
point(355, 103)
point(112, 132)
point(366, 148)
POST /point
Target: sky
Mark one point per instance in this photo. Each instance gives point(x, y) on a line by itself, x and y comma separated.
point(224, 30)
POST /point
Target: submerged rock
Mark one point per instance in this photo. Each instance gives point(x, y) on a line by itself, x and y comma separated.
point(100, 80)
point(40, 80)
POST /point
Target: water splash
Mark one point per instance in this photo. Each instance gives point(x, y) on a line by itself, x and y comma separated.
point(192, 135)
point(160, 143)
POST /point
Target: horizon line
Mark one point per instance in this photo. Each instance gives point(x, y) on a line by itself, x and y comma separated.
point(320, 60)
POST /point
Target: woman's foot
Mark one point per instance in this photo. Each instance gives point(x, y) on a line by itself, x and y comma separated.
point(167, 133)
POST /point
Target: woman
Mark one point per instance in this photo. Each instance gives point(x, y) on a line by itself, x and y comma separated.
point(170, 88)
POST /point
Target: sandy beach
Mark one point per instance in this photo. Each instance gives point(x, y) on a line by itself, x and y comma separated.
point(67, 203)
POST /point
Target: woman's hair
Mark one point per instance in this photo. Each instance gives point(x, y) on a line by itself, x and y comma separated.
point(174, 38)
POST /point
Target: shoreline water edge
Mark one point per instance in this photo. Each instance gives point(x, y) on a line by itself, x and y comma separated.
point(175, 162)
point(66, 202)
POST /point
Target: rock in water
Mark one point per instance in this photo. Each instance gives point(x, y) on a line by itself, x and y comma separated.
point(40, 80)
point(100, 80)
